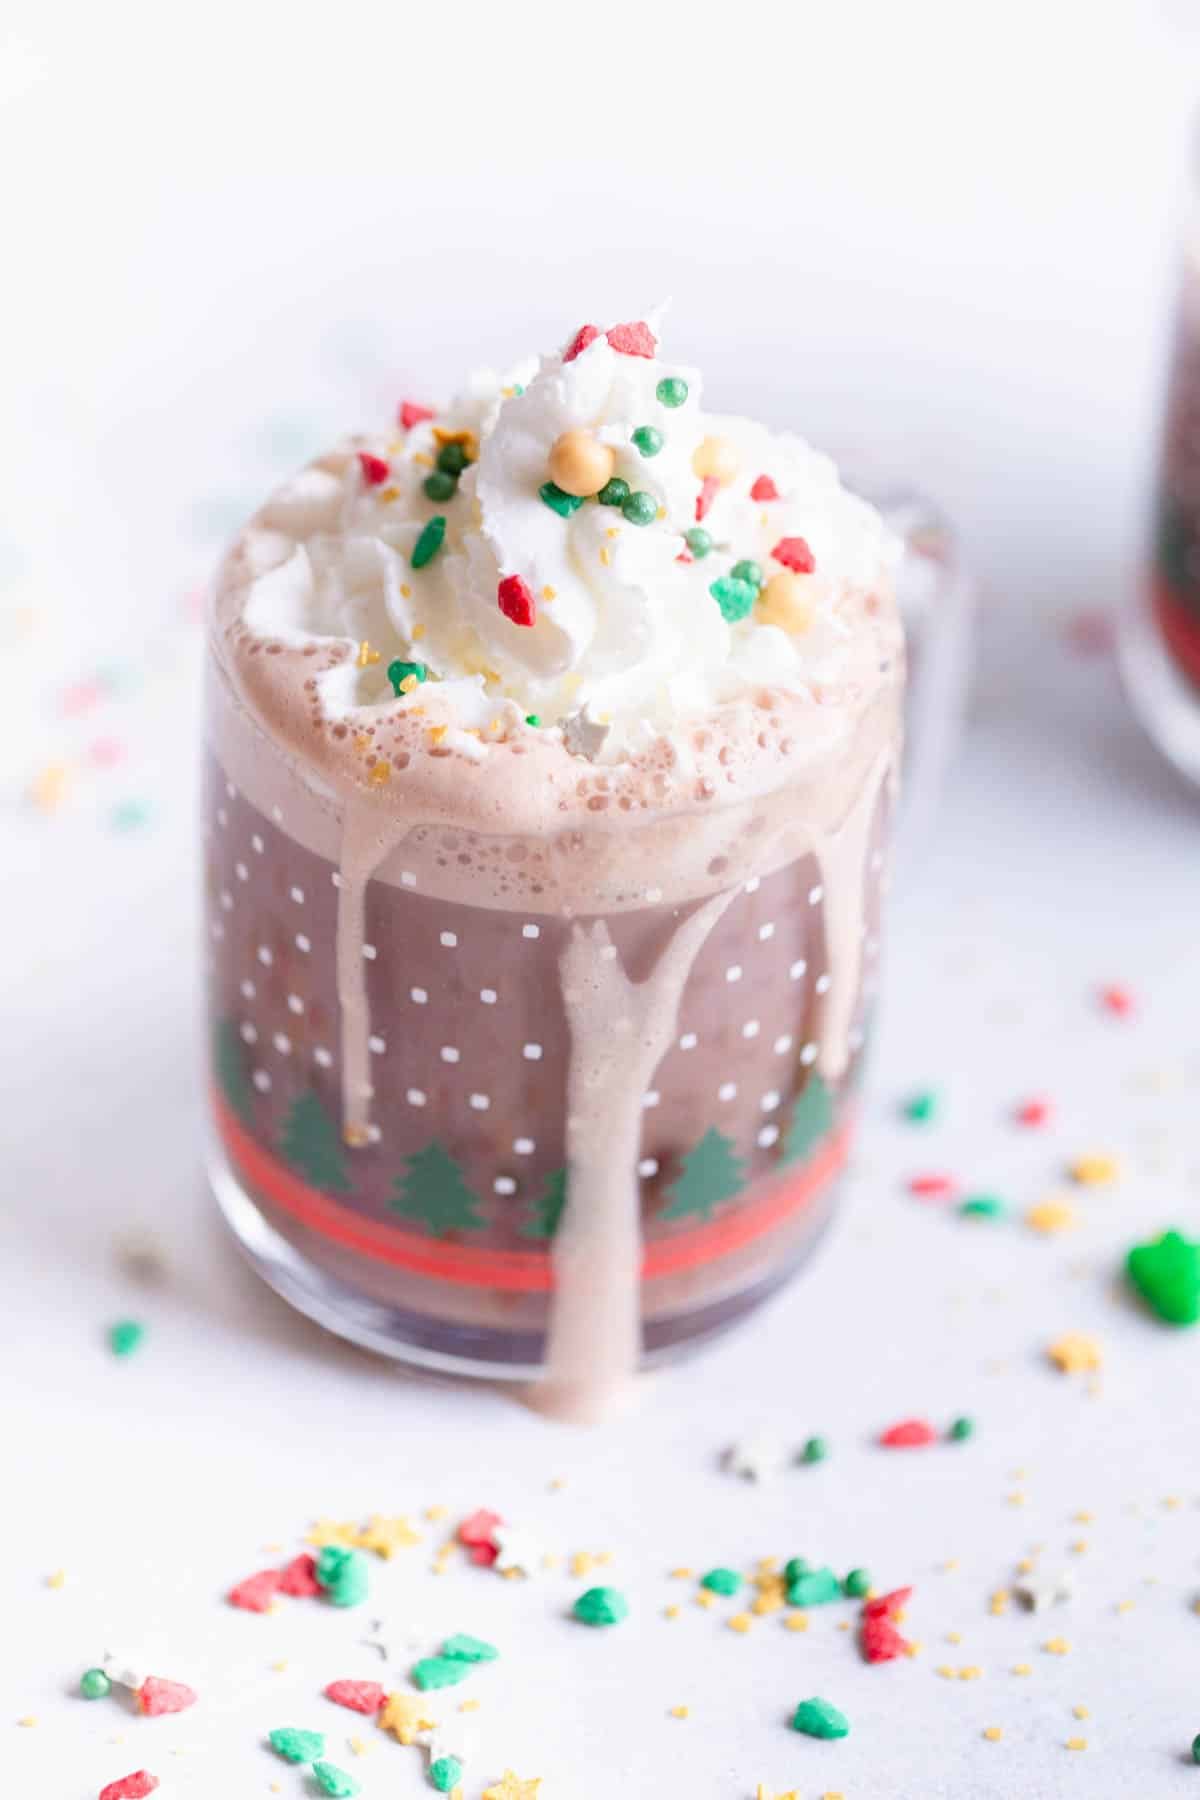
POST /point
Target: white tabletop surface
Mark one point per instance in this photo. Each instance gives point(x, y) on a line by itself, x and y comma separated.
point(1065, 857)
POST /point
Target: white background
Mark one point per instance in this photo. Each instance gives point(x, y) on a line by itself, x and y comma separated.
point(944, 232)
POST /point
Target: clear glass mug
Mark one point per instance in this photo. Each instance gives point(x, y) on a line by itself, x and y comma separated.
point(436, 1240)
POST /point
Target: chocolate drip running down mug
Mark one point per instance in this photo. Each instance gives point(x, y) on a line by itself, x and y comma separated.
point(552, 747)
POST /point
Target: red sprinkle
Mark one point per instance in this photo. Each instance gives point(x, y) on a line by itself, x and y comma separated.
point(130, 1787)
point(413, 413)
point(478, 1534)
point(359, 1696)
point(1033, 1112)
point(910, 1434)
point(80, 697)
point(932, 1187)
point(299, 1577)
point(587, 334)
point(515, 600)
point(634, 339)
point(764, 489)
point(881, 1642)
point(156, 1696)
point(684, 557)
point(794, 553)
point(374, 468)
point(886, 1606)
point(708, 493)
point(256, 1593)
point(1117, 1000)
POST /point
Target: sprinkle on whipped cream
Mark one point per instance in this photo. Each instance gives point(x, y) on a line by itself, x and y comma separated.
point(577, 544)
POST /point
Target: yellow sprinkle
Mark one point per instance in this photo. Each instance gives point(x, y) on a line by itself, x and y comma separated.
point(1076, 1743)
point(971, 1673)
point(1000, 1601)
point(420, 456)
point(409, 683)
point(740, 1622)
point(49, 787)
point(843, 1624)
point(797, 1621)
point(954, 1637)
point(705, 1599)
point(1094, 1170)
point(679, 1712)
point(437, 733)
point(1052, 1216)
point(1017, 1499)
point(913, 1647)
point(279, 1667)
point(1081, 1712)
point(1083, 1518)
point(468, 1706)
point(1026, 1566)
point(29, 1719)
point(1075, 1353)
point(407, 592)
point(581, 1562)
point(661, 513)
point(945, 1671)
point(388, 494)
point(1172, 1502)
point(1124, 1606)
point(358, 1746)
point(670, 1612)
point(465, 437)
point(605, 555)
point(56, 1580)
point(1022, 1669)
point(824, 1797)
point(380, 773)
point(947, 1568)
point(418, 632)
point(1079, 1546)
point(682, 1574)
point(1057, 1646)
point(549, 593)
point(992, 1733)
point(767, 1603)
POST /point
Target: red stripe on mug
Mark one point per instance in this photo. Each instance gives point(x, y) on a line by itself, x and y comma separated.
point(1180, 629)
point(521, 1271)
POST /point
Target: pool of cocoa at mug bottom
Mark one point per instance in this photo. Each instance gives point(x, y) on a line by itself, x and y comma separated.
point(486, 1331)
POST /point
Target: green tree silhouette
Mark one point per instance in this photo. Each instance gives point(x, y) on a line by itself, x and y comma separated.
point(229, 1055)
point(711, 1173)
point(311, 1144)
point(811, 1120)
point(545, 1213)
point(432, 1192)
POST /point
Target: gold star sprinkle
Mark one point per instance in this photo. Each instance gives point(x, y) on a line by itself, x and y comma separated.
point(405, 1715)
point(1075, 1353)
point(512, 1788)
point(332, 1531)
point(386, 1536)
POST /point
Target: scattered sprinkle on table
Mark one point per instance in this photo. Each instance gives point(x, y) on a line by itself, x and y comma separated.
point(94, 1684)
point(921, 1107)
point(1166, 1274)
point(332, 1780)
point(1075, 1353)
point(511, 1787)
point(125, 1336)
point(721, 1581)
point(296, 1746)
point(601, 1606)
point(820, 1719)
point(993, 1733)
point(1094, 1170)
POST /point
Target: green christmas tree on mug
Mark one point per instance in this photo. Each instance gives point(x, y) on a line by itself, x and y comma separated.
point(711, 1173)
point(810, 1121)
point(545, 1213)
point(311, 1144)
point(432, 1193)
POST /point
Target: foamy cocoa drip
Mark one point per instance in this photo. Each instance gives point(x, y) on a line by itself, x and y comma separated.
point(518, 819)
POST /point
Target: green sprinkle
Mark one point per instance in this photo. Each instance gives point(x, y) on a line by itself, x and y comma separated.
point(440, 485)
point(125, 1336)
point(558, 500)
point(819, 1719)
point(982, 1206)
point(816, 1449)
point(465, 1648)
point(698, 541)
point(671, 391)
point(735, 598)
point(445, 1773)
point(961, 1430)
point(747, 571)
point(129, 815)
point(857, 1584)
point(1166, 1273)
point(343, 1575)
point(794, 1568)
point(332, 1780)
point(647, 440)
point(721, 1581)
point(640, 508)
point(921, 1107)
point(817, 1588)
point(614, 493)
point(601, 1606)
point(533, 719)
point(297, 1746)
point(1196, 1749)
point(429, 542)
point(400, 671)
point(440, 1672)
point(94, 1684)
point(517, 389)
point(452, 459)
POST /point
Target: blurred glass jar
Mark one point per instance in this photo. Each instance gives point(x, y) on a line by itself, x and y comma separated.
point(1159, 636)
